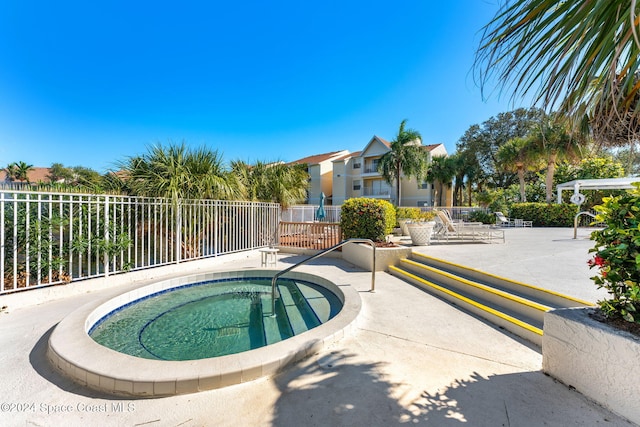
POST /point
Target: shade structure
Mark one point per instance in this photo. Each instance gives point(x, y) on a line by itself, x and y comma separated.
point(320, 213)
point(596, 184)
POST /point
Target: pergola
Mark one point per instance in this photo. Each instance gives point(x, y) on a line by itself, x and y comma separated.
point(596, 184)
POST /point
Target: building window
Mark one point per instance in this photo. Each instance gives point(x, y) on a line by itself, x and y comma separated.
point(356, 185)
point(423, 186)
point(357, 165)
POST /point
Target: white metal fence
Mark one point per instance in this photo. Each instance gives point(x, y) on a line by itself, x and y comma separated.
point(50, 238)
point(307, 213)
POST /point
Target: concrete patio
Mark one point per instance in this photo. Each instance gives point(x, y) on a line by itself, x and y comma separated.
point(413, 359)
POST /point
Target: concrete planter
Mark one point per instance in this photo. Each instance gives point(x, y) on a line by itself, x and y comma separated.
point(361, 255)
point(601, 362)
point(420, 232)
point(403, 226)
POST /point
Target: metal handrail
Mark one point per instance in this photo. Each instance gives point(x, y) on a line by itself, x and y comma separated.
point(575, 222)
point(318, 255)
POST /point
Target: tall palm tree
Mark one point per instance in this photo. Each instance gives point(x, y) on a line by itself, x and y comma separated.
point(553, 140)
point(441, 171)
point(177, 172)
point(407, 157)
point(518, 155)
point(272, 182)
point(459, 161)
point(577, 56)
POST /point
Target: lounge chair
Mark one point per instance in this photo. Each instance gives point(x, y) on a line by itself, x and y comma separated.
point(502, 220)
point(466, 231)
point(458, 221)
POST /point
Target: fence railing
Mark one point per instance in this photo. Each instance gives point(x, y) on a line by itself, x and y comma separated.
point(304, 213)
point(305, 235)
point(50, 238)
point(368, 191)
point(458, 212)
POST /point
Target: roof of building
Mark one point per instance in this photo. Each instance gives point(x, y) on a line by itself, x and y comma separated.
point(35, 175)
point(384, 141)
point(347, 156)
point(431, 147)
point(318, 158)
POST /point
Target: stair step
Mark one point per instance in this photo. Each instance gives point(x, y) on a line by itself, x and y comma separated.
point(275, 328)
point(514, 305)
point(317, 301)
point(542, 296)
point(256, 323)
point(301, 317)
point(509, 322)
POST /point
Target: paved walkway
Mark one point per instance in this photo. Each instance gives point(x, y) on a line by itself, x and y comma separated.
point(412, 360)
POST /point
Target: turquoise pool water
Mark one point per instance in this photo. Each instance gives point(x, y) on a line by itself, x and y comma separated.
point(214, 318)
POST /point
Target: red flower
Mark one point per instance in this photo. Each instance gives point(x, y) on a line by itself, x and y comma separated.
point(597, 260)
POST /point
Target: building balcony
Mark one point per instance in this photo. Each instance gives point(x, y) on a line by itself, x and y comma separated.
point(376, 192)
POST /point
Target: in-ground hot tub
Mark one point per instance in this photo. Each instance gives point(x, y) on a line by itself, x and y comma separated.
point(149, 373)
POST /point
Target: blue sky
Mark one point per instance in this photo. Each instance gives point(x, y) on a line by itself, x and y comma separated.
point(90, 83)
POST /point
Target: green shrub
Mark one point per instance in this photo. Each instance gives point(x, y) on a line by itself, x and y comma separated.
point(366, 218)
point(545, 214)
point(617, 255)
point(427, 216)
point(483, 217)
point(408, 213)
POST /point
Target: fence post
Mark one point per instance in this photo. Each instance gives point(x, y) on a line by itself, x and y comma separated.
point(2, 245)
point(178, 231)
point(106, 237)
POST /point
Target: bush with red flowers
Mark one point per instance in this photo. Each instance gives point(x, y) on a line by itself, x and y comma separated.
point(617, 255)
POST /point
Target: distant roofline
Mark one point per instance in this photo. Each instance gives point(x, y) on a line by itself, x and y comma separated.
point(317, 158)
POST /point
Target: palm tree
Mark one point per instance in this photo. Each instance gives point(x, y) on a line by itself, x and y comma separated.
point(177, 172)
point(459, 161)
point(582, 56)
point(552, 141)
point(18, 171)
point(441, 171)
point(407, 157)
point(518, 155)
point(277, 182)
point(11, 171)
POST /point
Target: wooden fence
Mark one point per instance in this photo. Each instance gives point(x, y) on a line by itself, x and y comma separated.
point(310, 235)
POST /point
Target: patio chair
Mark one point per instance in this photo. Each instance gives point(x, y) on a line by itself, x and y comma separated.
point(462, 230)
point(458, 221)
point(502, 220)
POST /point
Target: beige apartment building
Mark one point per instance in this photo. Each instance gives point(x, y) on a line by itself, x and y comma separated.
point(341, 175)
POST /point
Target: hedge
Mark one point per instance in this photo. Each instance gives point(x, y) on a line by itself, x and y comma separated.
point(545, 214)
point(366, 218)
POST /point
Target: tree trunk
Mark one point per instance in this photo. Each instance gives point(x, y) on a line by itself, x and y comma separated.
point(523, 195)
point(551, 170)
point(398, 189)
